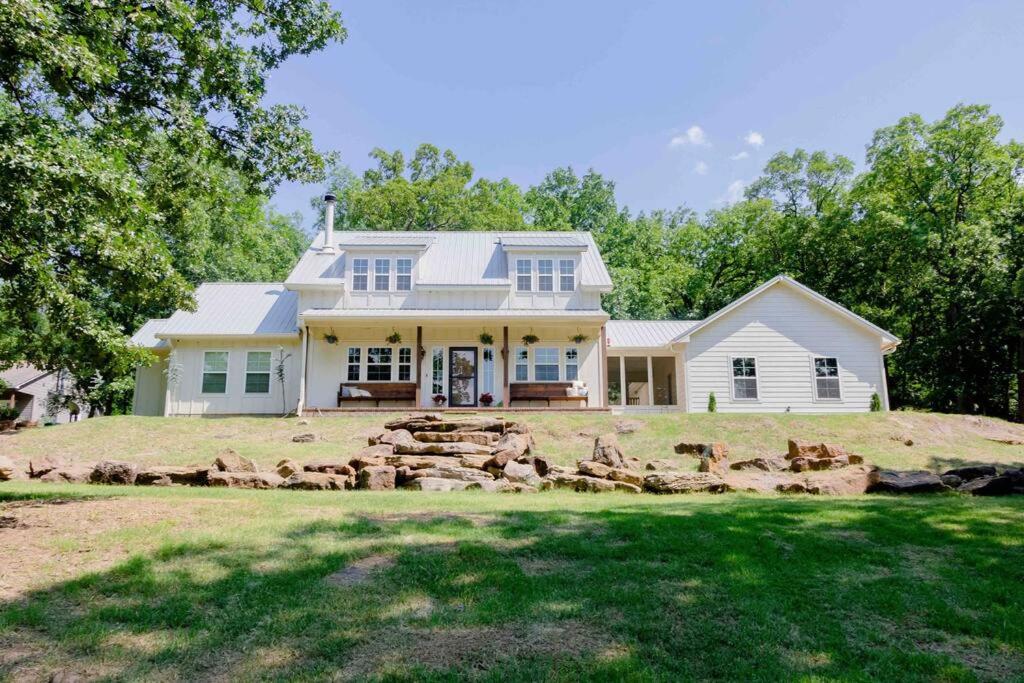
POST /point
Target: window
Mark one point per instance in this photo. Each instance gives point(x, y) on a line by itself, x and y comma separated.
point(215, 372)
point(382, 274)
point(524, 275)
point(403, 281)
point(404, 364)
point(257, 372)
point(353, 363)
point(545, 364)
point(545, 275)
point(378, 364)
point(522, 364)
point(487, 378)
point(566, 275)
point(360, 273)
point(744, 379)
point(826, 378)
point(572, 364)
point(437, 367)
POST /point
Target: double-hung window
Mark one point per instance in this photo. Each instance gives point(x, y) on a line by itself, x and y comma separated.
point(826, 379)
point(257, 372)
point(382, 274)
point(522, 364)
point(437, 370)
point(378, 363)
point(744, 379)
point(572, 363)
point(524, 275)
point(404, 364)
point(403, 278)
point(566, 275)
point(215, 372)
point(545, 364)
point(545, 275)
point(360, 274)
point(354, 353)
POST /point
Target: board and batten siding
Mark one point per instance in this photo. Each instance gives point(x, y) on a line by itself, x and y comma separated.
point(784, 330)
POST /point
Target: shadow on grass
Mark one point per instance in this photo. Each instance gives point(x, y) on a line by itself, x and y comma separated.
point(942, 464)
point(737, 588)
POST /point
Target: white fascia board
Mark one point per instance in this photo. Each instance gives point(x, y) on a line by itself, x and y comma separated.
point(171, 336)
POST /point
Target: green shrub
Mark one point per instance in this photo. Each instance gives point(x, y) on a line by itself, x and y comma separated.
point(8, 413)
point(712, 403)
point(876, 403)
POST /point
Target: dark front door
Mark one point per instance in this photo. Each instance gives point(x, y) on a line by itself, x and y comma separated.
point(462, 377)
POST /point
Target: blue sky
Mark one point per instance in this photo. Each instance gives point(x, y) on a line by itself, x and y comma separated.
point(661, 97)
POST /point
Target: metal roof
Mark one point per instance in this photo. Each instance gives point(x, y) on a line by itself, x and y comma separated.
point(146, 336)
point(645, 334)
point(236, 309)
point(456, 259)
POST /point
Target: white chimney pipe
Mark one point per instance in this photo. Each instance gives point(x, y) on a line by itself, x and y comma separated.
point(328, 247)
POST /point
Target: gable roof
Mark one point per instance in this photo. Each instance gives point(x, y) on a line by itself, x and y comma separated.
point(234, 309)
point(146, 335)
point(448, 258)
point(21, 375)
point(645, 334)
point(889, 341)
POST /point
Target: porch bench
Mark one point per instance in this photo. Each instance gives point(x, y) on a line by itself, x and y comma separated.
point(543, 391)
point(379, 391)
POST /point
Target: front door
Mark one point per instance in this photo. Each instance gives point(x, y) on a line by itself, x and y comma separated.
point(462, 377)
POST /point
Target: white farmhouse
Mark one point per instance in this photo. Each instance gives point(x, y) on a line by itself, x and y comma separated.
point(501, 319)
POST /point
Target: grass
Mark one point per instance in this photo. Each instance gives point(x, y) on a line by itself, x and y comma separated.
point(939, 441)
point(194, 584)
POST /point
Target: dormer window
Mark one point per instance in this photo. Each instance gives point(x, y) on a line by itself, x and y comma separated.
point(360, 274)
point(382, 274)
point(567, 275)
point(403, 279)
point(524, 275)
point(545, 275)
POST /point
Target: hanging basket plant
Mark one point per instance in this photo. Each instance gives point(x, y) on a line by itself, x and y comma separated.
point(530, 339)
point(394, 338)
point(331, 337)
point(486, 338)
point(579, 338)
point(440, 399)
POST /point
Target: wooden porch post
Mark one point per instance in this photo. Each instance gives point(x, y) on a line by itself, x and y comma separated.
point(504, 367)
point(650, 381)
point(419, 360)
point(604, 369)
point(623, 393)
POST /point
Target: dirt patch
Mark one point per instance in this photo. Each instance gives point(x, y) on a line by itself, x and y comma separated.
point(987, 663)
point(359, 571)
point(476, 649)
point(538, 567)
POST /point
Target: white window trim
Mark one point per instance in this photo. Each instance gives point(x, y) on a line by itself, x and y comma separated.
point(559, 354)
point(365, 370)
point(412, 265)
point(444, 372)
point(559, 274)
point(533, 284)
point(390, 262)
point(553, 274)
point(397, 355)
point(245, 373)
point(563, 358)
point(362, 359)
point(516, 363)
point(757, 379)
point(368, 274)
point(227, 373)
point(814, 380)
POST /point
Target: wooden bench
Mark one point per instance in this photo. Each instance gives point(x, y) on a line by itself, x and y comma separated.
point(379, 391)
point(542, 391)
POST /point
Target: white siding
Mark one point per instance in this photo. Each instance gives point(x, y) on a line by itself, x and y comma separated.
point(150, 388)
point(783, 329)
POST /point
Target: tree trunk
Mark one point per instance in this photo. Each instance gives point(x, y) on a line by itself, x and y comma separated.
point(1020, 376)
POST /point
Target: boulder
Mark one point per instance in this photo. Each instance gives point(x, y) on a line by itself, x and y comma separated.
point(450, 472)
point(432, 423)
point(951, 480)
point(317, 481)
point(972, 472)
point(656, 465)
point(806, 449)
point(7, 469)
point(516, 487)
point(627, 426)
point(1008, 483)
point(763, 464)
point(165, 475)
point(519, 444)
point(499, 459)
point(477, 462)
point(457, 448)
point(381, 450)
point(287, 468)
point(308, 437)
point(37, 467)
point(391, 438)
point(818, 464)
point(246, 480)
point(230, 461)
point(591, 468)
point(631, 477)
point(376, 478)
point(540, 464)
point(607, 451)
point(419, 462)
point(330, 466)
point(114, 472)
point(69, 474)
point(759, 481)
point(848, 481)
point(626, 487)
point(479, 438)
point(441, 485)
point(560, 469)
point(684, 482)
point(794, 486)
point(521, 473)
point(891, 481)
point(576, 482)
point(716, 450)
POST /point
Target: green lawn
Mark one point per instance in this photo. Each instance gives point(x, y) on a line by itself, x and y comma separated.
point(195, 584)
point(939, 441)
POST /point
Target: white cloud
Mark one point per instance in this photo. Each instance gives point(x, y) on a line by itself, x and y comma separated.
point(741, 155)
point(733, 193)
point(700, 168)
point(754, 139)
point(694, 135)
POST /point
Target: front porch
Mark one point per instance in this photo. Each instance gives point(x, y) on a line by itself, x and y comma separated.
point(645, 381)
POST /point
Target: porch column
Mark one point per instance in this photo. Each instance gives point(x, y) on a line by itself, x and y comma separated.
point(504, 367)
point(623, 389)
point(419, 361)
point(301, 403)
point(650, 381)
point(603, 355)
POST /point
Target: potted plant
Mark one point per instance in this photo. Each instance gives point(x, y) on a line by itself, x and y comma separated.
point(394, 338)
point(486, 338)
point(486, 400)
point(440, 400)
point(331, 337)
point(530, 339)
point(579, 338)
